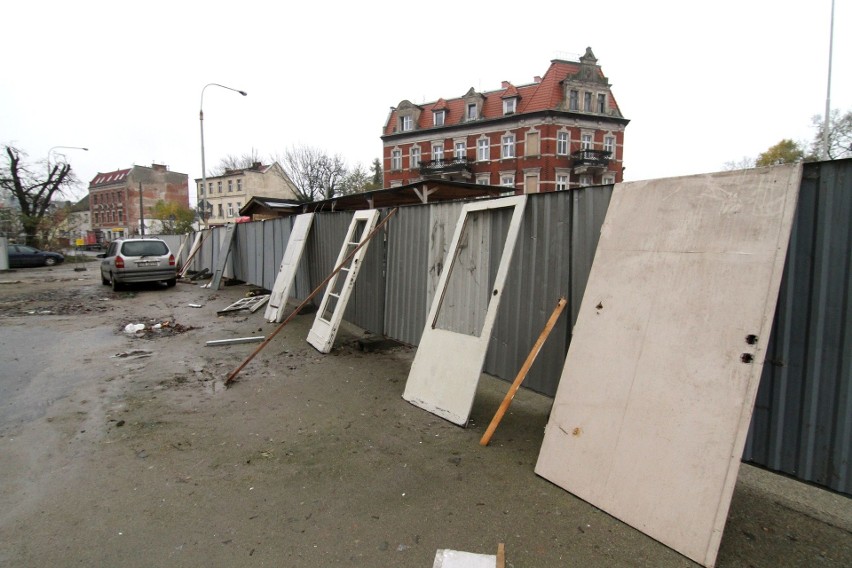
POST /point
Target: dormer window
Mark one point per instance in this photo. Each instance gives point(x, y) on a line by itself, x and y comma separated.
point(438, 117)
point(407, 123)
point(509, 105)
point(471, 111)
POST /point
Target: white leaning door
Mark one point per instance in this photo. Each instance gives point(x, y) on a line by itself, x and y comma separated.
point(340, 286)
point(449, 359)
point(289, 264)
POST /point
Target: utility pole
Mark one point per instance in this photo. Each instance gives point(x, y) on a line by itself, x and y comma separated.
point(827, 120)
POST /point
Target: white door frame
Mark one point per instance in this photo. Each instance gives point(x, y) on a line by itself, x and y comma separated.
point(289, 264)
point(337, 292)
point(447, 365)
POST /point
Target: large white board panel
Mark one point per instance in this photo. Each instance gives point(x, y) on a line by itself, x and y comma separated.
point(653, 406)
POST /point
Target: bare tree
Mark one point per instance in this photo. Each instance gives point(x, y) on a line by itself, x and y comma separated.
point(315, 174)
point(743, 163)
point(33, 191)
point(233, 162)
point(839, 135)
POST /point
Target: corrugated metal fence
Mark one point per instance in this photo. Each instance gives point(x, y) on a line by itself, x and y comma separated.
point(802, 422)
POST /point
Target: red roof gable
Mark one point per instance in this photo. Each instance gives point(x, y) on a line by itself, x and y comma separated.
point(109, 178)
point(540, 95)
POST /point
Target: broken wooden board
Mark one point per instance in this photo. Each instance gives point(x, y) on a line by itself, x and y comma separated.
point(652, 410)
point(449, 359)
point(289, 264)
point(339, 288)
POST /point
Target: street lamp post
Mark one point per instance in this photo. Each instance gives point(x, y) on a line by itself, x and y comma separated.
point(52, 148)
point(203, 165)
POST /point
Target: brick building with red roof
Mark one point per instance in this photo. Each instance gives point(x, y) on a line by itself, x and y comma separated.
point(563, 130)
point(114, 202)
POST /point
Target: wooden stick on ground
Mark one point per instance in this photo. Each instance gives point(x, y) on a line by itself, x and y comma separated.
point(501, 555)
point(310, 297)
point(522, 374)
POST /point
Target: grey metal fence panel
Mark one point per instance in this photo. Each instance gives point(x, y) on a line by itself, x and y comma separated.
point(552, 259)
point(406, 305)
point(243, 253)
point(802, 422)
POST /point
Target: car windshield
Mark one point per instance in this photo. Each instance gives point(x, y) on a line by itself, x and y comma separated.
point(144, 248)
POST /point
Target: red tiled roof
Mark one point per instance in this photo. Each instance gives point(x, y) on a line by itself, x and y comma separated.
point(543, 95)
point(109, 177)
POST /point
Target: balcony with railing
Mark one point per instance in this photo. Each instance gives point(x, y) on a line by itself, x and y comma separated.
point(444, 168)
point(590, 161)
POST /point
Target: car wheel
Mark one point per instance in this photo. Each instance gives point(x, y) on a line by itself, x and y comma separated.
point(50, 261)
point(116, 285)
point(104, 280)
point(171, 283)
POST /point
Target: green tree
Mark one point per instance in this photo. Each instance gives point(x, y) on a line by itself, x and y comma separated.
point(175, 218)
point(839, 136)
point(785, 152)
point(378, 176)
point(356, 181)
point(33, 189)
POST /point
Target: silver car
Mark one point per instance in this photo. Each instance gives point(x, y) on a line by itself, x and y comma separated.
point(129, 261)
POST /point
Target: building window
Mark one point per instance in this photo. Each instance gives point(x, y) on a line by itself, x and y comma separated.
point(239, 185)
point(438, 117)
point(602, 104)
point(483, 149)
point(414, 158)
point(461, 151)
point(219, 186)
point(230, 209)
point(508, 146)
point(609, 143)
point(221, 213)
point(562, 143)
point(471, 111)
point(587, 102)
point(586, 142)
point(532, 147)
point(239, 205)
point(585, 181)
point(573, 100)
point(230, 186)
point(507, 180)
point(437, 153)
point(396, 160)
point(561, 182)
point(407, 123)
point(483, 179)
point(210, 188)
point(200, 189)
point(509, 105)
point(609, 179)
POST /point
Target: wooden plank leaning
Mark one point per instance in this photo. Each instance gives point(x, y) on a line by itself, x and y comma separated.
point(233, 375)
point(522, 374)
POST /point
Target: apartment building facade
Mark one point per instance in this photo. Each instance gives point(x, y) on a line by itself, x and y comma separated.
point(120, 198)
point(226, 194)
point(564, 130)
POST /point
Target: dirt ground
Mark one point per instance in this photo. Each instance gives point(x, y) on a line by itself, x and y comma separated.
point(127, 450)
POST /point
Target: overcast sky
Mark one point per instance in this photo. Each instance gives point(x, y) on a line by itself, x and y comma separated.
point(702, 83)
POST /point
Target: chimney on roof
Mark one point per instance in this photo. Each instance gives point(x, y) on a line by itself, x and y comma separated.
point(159, 167)
point(537, 79)
point(256, 165)
point(506, 84)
